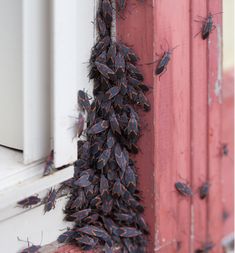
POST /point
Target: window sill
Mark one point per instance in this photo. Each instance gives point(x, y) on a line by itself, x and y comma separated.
point(18, 181)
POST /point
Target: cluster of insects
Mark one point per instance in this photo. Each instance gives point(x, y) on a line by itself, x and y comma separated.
point(48, 201)
point(105, 204)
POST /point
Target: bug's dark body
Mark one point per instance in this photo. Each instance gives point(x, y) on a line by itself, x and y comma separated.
point(49, 200)
point(183, 189)
point(49, 166)
point(225, 150)
point(163, 63)
point(207, 27)
point(30, 201)
point(204, 190)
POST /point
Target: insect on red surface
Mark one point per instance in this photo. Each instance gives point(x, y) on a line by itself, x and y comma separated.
point(183, 189)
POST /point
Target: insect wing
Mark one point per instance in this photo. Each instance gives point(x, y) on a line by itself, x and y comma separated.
point(128, 232)
point(87, 240)
point(130, 179)
point(66, 236)
point(111, 54)
point(204, 190)
point(83, 181)
point(120, 158)
point(112, 92)
point(117, 188)
point(95, 231)
point(101, 26)
point(104, 70)
point(114, 123)
point(98, 127)
point(119, 65)
point(110, 140)
point(103, 159)
point(183, 189)
point(80, 215)
point(104, 186)
point(107, 12)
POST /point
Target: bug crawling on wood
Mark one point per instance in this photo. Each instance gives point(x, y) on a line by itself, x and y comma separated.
point(162, 65)
point(207, 25)
point(204, 190)
point(30, 201)
point(183, 189)
point(49, 166)
point(224, 151)
point(49, 200)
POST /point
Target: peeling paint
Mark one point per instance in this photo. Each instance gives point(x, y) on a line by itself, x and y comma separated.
point(192, 228)
point(218, 82)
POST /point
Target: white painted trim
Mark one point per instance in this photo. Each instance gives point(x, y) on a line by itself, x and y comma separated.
point(36, 79)
point(72, 41)
point(64, 65)
point(9, 197)
point(34, 225)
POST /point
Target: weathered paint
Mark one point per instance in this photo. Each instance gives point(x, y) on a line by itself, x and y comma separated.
point(214, 222)
point(198, 69)
point(186, 127)
point(227, 166)
point(133, 31)
point(182, 132)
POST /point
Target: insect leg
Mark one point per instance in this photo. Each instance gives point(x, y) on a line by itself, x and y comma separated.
point(196, 34)
point(165, 69)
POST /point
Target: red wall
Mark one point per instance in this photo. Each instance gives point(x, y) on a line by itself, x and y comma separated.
point(188, 121)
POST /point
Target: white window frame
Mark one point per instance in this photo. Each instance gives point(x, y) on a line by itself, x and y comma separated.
point(22, 174)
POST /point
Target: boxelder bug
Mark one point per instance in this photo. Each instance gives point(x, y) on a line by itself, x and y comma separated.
point(204, 190)
point(183, 189)
point(49, 166)
point(162, 65)
point(207, 25)
point(30, 249)
point(30, 201)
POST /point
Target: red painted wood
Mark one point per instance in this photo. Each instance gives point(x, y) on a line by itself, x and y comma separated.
point(214, 128)
point(133, 31)
point(182, 121)
point(199, 114)
point(172, 124)
point(182, 132)
point(228, 161)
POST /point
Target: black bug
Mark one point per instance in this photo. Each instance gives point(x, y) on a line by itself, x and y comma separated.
point(204, 190)
point(183, 189)
point(49, 200)
point(162, 65)
point(104, 201)
point(49, 166)
point(98, 127)
point(224, 149)
point(207, 25)
point(30, 201)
